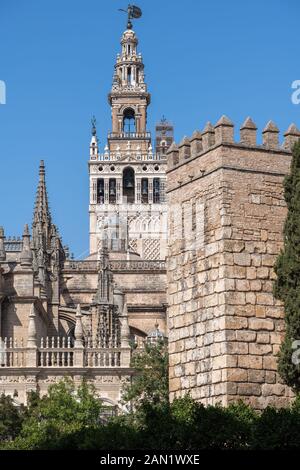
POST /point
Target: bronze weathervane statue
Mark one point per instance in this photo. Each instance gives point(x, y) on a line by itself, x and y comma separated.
point(133, 12)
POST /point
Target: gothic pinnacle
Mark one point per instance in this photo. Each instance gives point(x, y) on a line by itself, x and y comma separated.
point(41, 211)
point(2, 246)
point(78, 328)
point(26, 253)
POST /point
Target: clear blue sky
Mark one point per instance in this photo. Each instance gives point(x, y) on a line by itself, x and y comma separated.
point(203, 59)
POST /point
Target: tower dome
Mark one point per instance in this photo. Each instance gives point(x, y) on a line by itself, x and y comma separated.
point(156, 336)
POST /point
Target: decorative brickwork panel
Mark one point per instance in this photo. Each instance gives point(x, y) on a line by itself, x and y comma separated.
point(133, 245)
point(151, 248)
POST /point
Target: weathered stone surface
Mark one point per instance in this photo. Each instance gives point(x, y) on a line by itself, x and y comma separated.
point(234, 268)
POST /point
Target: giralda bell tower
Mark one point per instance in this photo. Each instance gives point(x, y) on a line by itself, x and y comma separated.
point(128, 211)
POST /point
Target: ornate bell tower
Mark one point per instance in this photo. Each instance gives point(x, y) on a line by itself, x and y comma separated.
point(129, 98)
point(128, 211)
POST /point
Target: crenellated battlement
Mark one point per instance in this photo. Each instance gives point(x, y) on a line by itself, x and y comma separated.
point(223, 134)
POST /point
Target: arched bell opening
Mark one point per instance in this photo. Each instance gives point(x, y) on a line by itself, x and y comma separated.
point(129, 122)
point(129, 185)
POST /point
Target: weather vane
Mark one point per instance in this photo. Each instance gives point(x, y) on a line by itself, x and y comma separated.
point(94, 124)
point(133, 12)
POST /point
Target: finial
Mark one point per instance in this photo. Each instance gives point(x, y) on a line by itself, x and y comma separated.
point(26, 253)
point(42, 168)
point(26, 231)
point(78, 311)
point(31, 332)
point(94, 124)
point(78, 332)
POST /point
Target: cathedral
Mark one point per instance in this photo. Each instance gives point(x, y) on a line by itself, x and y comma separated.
point(60, 317)
point(183, 241)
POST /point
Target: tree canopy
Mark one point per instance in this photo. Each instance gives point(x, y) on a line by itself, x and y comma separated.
point(287, 284)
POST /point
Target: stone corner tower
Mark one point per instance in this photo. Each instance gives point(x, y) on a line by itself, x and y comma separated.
point(226, 216)
point(128, 212)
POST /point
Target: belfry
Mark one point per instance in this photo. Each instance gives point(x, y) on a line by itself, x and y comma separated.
point(128, 211)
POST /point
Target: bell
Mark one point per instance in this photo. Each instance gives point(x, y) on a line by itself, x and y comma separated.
point(145, 189)
point(129, 185)
point(112, 191)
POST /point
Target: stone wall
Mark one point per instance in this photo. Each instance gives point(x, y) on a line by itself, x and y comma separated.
point(226, 215)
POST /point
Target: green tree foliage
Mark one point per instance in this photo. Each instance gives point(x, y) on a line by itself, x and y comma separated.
point(53, 421)
point(11, 418)
point(150, 383)
point(68, 420)
point(287, 268)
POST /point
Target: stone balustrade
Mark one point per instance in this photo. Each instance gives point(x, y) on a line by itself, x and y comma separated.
point(56, 352)
point(59, 352)
point(103, 357)
point(12, 353)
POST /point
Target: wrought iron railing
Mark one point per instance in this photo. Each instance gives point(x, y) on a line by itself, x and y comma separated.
point(129, 135)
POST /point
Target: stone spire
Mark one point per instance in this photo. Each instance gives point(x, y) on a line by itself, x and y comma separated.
point(2, 247)
point(41, 227)
point(46, 243)
point(41, 210)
